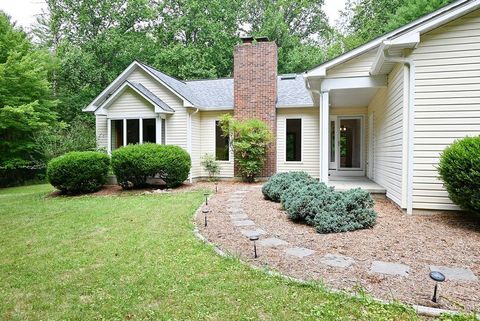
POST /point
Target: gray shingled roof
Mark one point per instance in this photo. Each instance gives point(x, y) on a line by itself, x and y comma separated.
point(218, 93)
point(147, 93)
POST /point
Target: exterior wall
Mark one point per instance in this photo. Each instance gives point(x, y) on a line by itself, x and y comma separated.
point(447, 102)
point(101, 131)
point(130, 105)
point(356, 67)
point(310, 140)
point(196, 144)
point(255, 89)
point(207, 146)
point(387, 108)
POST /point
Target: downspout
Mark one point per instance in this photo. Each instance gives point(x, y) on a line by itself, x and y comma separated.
point(410, 64)
point(189, 139)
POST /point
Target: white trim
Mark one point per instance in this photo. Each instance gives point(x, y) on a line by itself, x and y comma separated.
point(158, 130)
point(109, 136)
point(423, 24)
point(301, 141)
point(295, 106)
point(353, 82)
point(324, 141)
point(106, 104)
point(92, 107)
point(140, 130)
point(124, 132)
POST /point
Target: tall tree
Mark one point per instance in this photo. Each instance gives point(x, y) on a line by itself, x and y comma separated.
point(26, 101)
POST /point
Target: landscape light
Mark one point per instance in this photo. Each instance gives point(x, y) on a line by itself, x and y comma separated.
point(437, 277)
point(205, 212)
point(254, 238)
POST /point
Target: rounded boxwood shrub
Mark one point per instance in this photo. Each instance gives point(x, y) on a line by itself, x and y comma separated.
point(78, 172)
point(459, 169)
point(133, 164)
point(352, 210)
point(303, 201)
point(278, 183)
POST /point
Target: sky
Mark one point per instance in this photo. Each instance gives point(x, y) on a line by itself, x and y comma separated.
point(25, 11)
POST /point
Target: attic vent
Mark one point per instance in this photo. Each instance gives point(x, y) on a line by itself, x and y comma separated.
point(288, 77)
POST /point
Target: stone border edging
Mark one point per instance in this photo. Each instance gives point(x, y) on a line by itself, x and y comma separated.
point(419, 309)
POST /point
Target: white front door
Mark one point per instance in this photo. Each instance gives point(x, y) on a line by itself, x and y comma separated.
point(346, 146)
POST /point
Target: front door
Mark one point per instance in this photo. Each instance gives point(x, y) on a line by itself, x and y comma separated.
point(346, 145)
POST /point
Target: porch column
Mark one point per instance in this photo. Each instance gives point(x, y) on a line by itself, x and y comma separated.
point(124, 132)
point(140, 130)
point(324, 121)
point(158, 129)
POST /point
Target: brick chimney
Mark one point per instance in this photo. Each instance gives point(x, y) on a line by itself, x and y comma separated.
point(255, 88)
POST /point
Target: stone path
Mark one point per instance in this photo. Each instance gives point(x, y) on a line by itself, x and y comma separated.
point(248, 228)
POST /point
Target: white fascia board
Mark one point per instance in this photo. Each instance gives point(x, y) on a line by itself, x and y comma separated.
point(121, 78)
point(353, 82)
point(226, 108)
point(101, 110)
point(458, 8)
point(409, 40)
point(295, 106)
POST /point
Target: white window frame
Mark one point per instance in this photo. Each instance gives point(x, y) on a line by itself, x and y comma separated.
point(124, 138)
point(301, 140)
point(215, 143)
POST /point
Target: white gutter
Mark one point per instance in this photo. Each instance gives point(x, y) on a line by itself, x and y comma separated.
point(410, 64)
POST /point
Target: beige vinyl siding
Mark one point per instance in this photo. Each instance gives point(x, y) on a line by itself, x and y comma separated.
point(196, 144)
point(447, 102)
point(356, 67)
point(130, 105)
point(387, 106)
point(177, 123)
point(101, 131)
point(310, 140)
point(207, 146)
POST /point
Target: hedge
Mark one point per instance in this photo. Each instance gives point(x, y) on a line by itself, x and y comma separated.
point(78, 172)
point(133, 164)
point(459, 169)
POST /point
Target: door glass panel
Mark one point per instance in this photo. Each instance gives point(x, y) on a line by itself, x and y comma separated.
point(350, 143)
point(332, 141)
point(133, 131)
point(117, 133)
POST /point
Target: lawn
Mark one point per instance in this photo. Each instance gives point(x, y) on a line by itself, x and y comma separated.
point(135, 257)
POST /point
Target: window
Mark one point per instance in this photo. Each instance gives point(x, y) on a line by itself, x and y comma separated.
point(222, 150)
point(149, 130)
point(294, 140)
point(134, 132)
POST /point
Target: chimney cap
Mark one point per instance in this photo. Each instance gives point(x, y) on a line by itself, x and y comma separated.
point(249, 39)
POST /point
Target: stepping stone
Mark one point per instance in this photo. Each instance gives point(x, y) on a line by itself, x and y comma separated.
point(299, 252)
point(455, 273)
point(244, 223)
point(235, 210)
point(337, 260)
point(238, 217)
point(390, 268)
point(272, 242)
point(250, 233)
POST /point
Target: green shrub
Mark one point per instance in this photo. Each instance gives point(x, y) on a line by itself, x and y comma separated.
point(211, 166)
point(251, 139)
point(78, 172)
point(459, 169)
point(278, 183)
point(352, 210)
point(304, 199)
point(133, 164)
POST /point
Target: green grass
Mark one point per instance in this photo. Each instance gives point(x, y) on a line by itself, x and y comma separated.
point(135, 257)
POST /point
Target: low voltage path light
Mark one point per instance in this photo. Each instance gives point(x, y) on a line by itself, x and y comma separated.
point(205, 214)
point(206, 198)
point(254, 238)
point(437, 277)
point(216, 186)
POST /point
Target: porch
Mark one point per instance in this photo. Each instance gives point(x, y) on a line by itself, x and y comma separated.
point(343, 183)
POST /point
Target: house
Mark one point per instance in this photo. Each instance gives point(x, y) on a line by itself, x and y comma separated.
point(383, 111)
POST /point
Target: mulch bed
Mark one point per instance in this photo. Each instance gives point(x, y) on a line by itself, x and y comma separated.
point(450, 239)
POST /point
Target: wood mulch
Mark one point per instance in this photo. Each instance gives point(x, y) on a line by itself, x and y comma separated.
point(450, 239)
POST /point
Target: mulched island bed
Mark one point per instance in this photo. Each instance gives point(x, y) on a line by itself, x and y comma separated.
point(418, 242)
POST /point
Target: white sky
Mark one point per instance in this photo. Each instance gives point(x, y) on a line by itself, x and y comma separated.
point(24, 11)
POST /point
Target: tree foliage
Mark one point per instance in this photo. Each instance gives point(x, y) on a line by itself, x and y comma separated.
point(26, 101)
point(250, 141)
